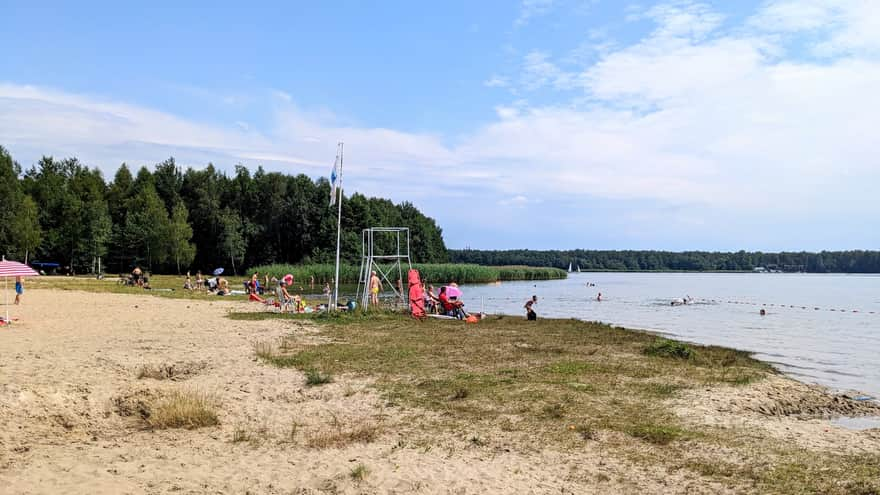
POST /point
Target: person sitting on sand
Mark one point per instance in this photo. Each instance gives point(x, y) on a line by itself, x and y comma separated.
point(222, 287)
point(137, 276)
point(200, 281)
point(187, 284)
point(530, 313)
point(254, 286)
point(211, 284)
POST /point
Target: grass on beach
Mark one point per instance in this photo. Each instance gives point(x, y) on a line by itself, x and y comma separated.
point(547, 375)
point(562, 383)
point(183, 409)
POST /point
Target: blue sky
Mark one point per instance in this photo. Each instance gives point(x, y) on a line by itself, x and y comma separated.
point(533, 124)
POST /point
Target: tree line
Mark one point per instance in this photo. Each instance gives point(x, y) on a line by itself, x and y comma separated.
point(169, 220)
point(821, 262)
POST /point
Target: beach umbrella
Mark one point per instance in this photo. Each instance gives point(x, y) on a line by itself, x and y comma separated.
point(218, 271)
point(452, 291)
point(13, 269)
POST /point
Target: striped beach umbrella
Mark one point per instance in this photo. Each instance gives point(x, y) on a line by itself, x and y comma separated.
point(13, 269)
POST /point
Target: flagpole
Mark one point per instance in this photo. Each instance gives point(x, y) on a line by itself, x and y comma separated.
point(338, 231)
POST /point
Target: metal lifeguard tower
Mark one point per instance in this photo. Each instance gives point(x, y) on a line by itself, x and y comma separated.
point(383, 250)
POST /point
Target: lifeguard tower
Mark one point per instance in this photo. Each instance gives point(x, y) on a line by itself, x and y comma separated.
point(384, 250)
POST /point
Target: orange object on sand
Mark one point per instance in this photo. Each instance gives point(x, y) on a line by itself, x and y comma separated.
point(471, 319)
point(254, 297)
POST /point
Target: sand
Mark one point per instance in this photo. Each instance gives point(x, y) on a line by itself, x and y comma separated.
point(69, 369)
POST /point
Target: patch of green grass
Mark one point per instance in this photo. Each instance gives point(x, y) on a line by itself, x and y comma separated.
point(315, 378)
point(654, 433)
point(569, 367)
point(669, 348)
point(359, 473)
point(557, 383)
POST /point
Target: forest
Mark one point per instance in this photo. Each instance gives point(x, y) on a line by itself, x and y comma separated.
point(169, 220)
point(821, 262)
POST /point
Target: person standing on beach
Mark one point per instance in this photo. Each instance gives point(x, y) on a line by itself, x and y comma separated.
point(375, 287)
point(19, 289)
point(530, 313)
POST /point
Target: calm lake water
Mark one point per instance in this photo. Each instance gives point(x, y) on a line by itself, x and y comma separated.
point(838, 348)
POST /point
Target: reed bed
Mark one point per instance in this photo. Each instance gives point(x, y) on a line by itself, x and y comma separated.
point(431, 273)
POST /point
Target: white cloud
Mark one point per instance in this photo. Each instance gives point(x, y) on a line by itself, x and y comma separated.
point(697, 115)
point(530, 9)
point(496, 82)
point(842, 27)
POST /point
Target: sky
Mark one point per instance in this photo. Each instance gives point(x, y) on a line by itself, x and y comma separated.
point(539, 124)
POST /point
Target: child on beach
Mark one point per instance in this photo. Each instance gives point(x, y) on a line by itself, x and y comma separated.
point(19, 289)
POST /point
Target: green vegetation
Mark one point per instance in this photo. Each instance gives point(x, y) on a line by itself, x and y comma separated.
point(315, 378)
point(586, 373)
point(558, 384)
point(823, 262)
point(170, 220)
point(669, 348)
point(439, 273)
point(359, 473)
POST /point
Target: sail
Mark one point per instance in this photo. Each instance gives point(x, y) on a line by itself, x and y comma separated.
point(569, 268)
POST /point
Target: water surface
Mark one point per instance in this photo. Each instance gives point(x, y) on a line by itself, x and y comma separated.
point(819, 328)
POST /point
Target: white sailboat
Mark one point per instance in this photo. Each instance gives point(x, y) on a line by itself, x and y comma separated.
point(579, 268)
point(569, 268)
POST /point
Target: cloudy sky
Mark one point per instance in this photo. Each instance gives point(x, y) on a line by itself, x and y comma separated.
point(593, 124)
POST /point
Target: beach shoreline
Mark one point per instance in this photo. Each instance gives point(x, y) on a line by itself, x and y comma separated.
point(75, 369)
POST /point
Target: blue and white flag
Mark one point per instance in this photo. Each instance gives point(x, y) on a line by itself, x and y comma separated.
point(334, 176)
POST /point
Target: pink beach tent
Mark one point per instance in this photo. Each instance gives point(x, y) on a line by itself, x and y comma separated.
point(13, 269)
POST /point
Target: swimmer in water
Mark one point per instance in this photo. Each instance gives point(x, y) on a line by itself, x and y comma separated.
point(599, 297)
point(763, 312)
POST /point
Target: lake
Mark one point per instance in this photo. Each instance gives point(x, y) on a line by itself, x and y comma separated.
point(818, 328)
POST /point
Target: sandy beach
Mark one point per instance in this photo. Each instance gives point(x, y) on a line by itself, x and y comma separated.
point(69, 383)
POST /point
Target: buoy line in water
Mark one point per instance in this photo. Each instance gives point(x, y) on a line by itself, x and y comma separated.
point(794, 306)
point(693, 302)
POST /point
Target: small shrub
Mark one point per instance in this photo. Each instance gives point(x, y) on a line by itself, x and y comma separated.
point(669, 348)
point(359, 473)
point(477, 441)
point(315, 378)
point(180, 409)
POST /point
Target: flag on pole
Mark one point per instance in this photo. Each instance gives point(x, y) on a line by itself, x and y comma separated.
point(334, 176)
